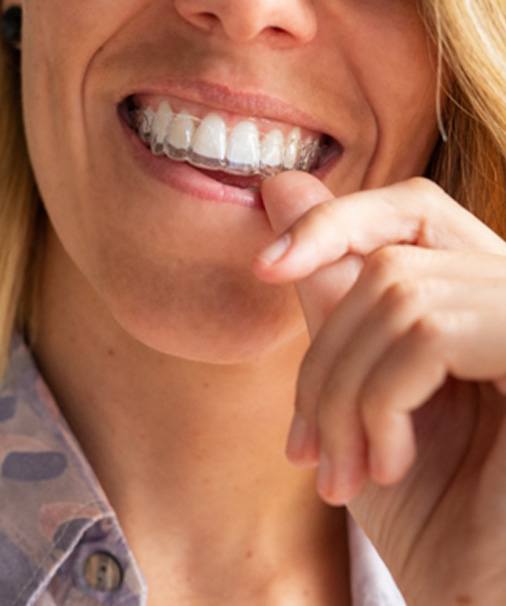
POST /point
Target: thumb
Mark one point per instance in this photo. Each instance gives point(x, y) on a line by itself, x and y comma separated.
point(287, 197)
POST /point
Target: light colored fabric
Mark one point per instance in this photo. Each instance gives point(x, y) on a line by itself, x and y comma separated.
point(55, 517)
point(371, 582)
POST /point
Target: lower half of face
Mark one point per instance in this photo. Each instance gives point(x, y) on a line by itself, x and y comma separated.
point(148, 161)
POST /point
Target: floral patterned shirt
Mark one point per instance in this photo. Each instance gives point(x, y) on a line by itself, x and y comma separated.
point(61, 543)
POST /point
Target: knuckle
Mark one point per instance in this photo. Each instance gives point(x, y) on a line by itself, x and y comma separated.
point(426, 189)
point(313, 224)
point(382, 264)
point(401, 297)
point(419, 182)
point(424, 185)
point(324, 211)
point(318, 216)
point(429, 329)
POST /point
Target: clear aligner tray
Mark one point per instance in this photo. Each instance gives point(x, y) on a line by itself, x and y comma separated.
point(305, 156)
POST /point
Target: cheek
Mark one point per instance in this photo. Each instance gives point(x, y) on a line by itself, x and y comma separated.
point(397, 70)
point(54, 73)
point(380, 51)
point(396, 62)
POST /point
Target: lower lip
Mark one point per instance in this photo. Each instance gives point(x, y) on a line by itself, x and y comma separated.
point(189, 180)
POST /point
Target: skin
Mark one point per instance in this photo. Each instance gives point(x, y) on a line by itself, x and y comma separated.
point(202, 350)
point(403, 389)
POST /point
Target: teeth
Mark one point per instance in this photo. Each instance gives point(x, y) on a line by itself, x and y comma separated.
point(203, 142)
point(292, 148)
point(161, 121)
point(243, 150)
point(180, 135)
point(308, 152)
point(210, 140)
point(146, 123)
point(272, 148)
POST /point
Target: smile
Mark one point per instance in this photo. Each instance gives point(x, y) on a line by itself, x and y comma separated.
point(217, 140)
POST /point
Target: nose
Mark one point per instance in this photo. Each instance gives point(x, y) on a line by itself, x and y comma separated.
point(245, 20)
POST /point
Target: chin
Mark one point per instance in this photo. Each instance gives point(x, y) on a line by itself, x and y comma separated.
point(231, 327)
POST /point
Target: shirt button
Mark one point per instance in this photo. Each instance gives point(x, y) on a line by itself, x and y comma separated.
point(102, 571)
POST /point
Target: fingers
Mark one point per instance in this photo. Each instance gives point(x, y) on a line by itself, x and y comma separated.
point(405, 376)
point(376, 357)
point(391, 363)
point(416, 211)
point(405, 277)
point(412, 369)
point(390, 318)
point(336, 403)
point(331, 283)
point(289, 195)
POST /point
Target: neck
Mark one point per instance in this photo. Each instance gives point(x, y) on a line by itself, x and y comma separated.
point(190, 454)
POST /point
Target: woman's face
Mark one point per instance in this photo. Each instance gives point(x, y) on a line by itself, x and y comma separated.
point(171, 267)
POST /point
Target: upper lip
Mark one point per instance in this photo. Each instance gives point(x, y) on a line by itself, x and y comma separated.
point(219, 96)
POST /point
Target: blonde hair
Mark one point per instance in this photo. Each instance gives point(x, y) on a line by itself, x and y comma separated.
point(470, 166)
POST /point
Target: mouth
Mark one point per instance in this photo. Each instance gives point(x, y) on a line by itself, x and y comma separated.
point(236, 150)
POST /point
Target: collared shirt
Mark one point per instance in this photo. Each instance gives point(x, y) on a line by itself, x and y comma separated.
point(61, 543)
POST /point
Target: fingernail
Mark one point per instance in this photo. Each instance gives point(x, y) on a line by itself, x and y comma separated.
point(275, 251)
point(325, 475)
point(297, 437)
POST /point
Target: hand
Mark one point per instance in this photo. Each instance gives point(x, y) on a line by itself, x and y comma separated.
point(404, 293)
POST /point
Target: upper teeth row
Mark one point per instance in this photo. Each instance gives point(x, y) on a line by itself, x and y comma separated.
point(207, 143)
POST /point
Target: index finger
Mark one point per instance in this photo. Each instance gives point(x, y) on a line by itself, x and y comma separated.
point(416, 211)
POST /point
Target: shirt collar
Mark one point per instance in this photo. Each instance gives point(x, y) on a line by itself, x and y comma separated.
point(51, 500)
point(371, 581)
